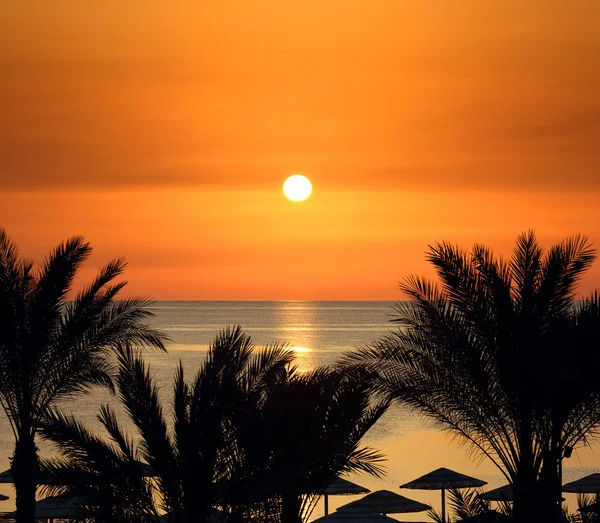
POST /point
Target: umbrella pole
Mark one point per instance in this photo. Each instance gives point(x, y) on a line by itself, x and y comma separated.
point(444, 505)
point(326, 504)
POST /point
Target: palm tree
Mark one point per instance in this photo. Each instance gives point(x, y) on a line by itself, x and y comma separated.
point(297, 434)
point(190, 461)
point(52, 348)
point(219, 450)
point(501, 354)
point(110, 484)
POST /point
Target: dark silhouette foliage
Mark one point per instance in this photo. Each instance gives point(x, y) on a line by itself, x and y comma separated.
point(251, 436)
point(52, 347)
point(503, 355)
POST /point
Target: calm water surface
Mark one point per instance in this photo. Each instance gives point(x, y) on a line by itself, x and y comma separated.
point(319, 332)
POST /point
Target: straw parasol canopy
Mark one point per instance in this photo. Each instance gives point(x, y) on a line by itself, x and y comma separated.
point(442, 479)
point(341, 486)
point(215, 516)
point(586, 485)
point(6, 477)
point(504, 493)
point(56, 507)
point(387, 502)
point(350, 515)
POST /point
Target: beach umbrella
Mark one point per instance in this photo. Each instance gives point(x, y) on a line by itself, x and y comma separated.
point(387, 502)
point(586, 485)
point(442, 479)
point(350, 515)
point(55, 507)
point(341, 486)
point(487, 516)
point(216, 516)
point(504, 493)
point(6, 477)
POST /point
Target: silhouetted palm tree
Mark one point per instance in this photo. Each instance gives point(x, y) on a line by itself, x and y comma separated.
point(501, 354)
point(297, 434)
point(110, 483)
point(212, 456)
point(51, 347)
point(190, 461)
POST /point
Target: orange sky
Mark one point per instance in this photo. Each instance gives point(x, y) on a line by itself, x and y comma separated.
point(162, 131)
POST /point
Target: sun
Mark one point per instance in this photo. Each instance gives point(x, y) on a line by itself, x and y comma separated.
point(297, 188)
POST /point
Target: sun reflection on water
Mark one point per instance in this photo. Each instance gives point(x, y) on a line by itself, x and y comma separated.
point(299, 349)
point(304, 358)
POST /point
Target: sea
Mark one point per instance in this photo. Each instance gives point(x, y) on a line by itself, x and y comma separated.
point(319, 333)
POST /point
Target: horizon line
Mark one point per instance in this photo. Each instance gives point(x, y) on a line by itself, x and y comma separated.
point(272, 299)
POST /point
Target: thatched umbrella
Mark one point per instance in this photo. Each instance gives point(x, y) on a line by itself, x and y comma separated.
point(387, 502)
point(442, 479)
point(341, 486)
point(586, 485)
point(504, 493)
point(6, 477)
point(56, 507)
point(215, 516)
point(355, 516)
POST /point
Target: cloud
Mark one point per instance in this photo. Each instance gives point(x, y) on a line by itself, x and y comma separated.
point(131, 124)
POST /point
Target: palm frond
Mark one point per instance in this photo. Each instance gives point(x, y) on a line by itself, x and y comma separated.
point(139, 396)
point(108, 418)
point(564, 266)
point(75, 440)
point(526, 269)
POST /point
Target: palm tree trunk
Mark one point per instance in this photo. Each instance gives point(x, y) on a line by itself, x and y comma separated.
point(525, 483)
point(525, 508)
point(550, 487)
point(290, 508)
point(25, 470)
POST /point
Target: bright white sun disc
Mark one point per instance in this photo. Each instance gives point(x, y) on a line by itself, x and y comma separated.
point(297, 188)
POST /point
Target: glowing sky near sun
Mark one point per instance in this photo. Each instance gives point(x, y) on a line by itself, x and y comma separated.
point(163, 133)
